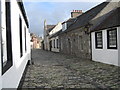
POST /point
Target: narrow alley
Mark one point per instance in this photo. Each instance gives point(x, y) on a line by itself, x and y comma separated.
point(55, 70)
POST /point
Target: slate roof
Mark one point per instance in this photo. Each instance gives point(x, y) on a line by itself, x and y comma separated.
point(70, 20)
point(83, 19)
point(50, 27)
point(112, 19)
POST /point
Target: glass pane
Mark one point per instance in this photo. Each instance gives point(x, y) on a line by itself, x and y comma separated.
point(99, 39)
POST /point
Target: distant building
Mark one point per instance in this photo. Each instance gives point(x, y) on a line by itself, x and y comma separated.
point(49, 42)
point(54, 39)
point(35, 41)
point(47, 29)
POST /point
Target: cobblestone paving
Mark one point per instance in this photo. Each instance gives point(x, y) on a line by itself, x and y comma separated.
point(54, 70)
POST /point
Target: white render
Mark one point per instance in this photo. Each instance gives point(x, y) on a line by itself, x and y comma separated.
point(55, 49)
point(57, 28)
point(64, 26)
point(118, 46)
point(12, 77)
point(108, 56)
point(0, 49)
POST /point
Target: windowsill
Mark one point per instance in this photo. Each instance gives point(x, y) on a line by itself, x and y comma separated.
point(112, 48)
point(98, 48)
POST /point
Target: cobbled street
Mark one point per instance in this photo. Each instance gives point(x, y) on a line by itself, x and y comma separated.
point(55, 70)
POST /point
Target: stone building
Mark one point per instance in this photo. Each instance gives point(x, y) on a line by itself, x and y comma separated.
point(76, 39)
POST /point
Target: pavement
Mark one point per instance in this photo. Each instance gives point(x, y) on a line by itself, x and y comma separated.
point(55, 70)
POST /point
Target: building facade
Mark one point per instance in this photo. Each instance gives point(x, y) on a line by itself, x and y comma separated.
point(80, 38)
point(75, 40)
point(54, 39)
point(15, 43)
point(105, 38)
point(47, 29)
point(50, 42)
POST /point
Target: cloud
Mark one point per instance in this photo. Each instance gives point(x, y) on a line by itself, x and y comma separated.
point(53, 12)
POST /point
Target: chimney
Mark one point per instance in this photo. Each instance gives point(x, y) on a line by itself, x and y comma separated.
point(76, 13)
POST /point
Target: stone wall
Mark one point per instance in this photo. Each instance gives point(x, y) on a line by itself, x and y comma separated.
point(75, 42)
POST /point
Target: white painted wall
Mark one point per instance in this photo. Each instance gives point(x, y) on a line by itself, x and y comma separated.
point(108, 56)
point(64, 26)
point(57, 28)
point(12, 77)
point(0, 69)
point(0, 50)
point(55, 49)
point(118, 46)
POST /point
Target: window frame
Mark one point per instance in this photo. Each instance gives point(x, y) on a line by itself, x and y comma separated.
point(25, 39)
point(21, 38)
point(54, 43)
point(57, 43)
point(96, 40)
point(108, 39)
point(9, 61)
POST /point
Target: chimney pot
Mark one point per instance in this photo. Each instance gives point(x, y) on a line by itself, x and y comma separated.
point(76, 13)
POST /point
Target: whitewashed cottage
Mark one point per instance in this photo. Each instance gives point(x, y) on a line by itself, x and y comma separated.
point(14, 43)
point(105, 35)
point(54, 38)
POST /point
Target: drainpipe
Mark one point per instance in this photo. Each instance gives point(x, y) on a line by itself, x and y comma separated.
point(90, 46)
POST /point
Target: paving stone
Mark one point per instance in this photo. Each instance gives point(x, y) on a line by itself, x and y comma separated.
point(55, 70)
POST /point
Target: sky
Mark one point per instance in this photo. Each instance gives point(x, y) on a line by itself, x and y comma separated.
point(53, 12)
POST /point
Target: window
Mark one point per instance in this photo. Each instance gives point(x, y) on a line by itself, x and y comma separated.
point(20, 30)
point(57, 43)
point(7, 63)
point(54, 43)
point(112, 38)
point(25, 39)
point(98, 40)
